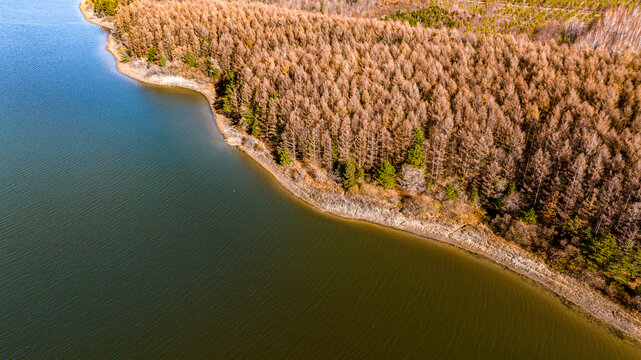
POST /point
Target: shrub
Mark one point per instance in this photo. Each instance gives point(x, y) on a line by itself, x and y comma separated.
point(529, 217)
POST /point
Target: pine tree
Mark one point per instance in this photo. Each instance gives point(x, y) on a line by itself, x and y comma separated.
point(415, 153)
point(151, 55)
point(601, 251)
point(451, 192)
point(230, 100)
point(283, 156)
point(190, 59)
point(351, 174)
point(162, 61)
point(255, 129)
point(386, 175)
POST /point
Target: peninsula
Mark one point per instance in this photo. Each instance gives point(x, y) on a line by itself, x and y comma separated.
point(521, 151)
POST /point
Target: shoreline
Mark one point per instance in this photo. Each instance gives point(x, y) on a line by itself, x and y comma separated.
point(477, 240)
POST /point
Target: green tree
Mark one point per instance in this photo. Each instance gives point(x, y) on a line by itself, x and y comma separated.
point(249, 117)
point(529, 217)
point(190, 59)
point(572, 228)
point(108, 7)
point(125, 57)
point(283, 157)
point(386, 175)
point(255, 127)
point(230, 101)
point(451, 192)
point(633, 264)
point(151, 54)
point(601, 251)
point(350, 174)
point(415, 153)
point(162, 61)
point(474, 195)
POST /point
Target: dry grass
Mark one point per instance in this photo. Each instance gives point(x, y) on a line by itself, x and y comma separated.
point(618, 29)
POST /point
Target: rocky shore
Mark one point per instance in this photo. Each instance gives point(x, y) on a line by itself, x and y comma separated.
point(313, 187)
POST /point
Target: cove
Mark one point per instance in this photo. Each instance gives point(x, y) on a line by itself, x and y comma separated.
point(128, 228)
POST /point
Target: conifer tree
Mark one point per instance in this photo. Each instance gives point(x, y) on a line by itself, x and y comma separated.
point(415, 153)
point(350, 174)
point(284, 158)
point(386, 175)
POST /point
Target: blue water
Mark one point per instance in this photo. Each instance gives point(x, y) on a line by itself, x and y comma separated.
point(129, 229)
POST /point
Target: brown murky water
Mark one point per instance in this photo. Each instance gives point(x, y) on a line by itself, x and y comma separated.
point(128, 229)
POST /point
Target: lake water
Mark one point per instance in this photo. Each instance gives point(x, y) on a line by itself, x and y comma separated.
point(129, 229)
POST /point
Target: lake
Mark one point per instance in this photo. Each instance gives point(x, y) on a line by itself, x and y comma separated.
point(129, 229)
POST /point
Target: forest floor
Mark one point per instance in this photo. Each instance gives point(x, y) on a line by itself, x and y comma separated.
point(313, 186)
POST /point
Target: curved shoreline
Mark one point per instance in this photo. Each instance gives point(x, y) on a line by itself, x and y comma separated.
point(477, 240)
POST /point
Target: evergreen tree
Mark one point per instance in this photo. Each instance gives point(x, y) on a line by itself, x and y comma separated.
point(386, 175)
point(283, 157)
point(415, 153)
point(108, 7)
point(350, 174)
point(256, 130)
point(230, 100)
point(451, 192)
point(474, 195)
point(151, 55)
point(249, 117)
point(600, 250)
point(190, 59)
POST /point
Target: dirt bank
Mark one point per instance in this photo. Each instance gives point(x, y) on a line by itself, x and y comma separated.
point(313, 188)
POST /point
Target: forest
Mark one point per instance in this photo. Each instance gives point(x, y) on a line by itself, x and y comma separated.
point(545, 137)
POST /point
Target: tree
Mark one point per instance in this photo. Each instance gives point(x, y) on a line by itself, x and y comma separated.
point(190, 59)
point(548, 214)
point(474, 195)
point(351, 90)
point(351, 173)
point(231, 105)
point(386, 175)
point(601, 251)
point(108, 7)
point(415, 153)
point(151, 55)
point(255, 129)
point(451, 192)
point(540, 170)
point(284, 158)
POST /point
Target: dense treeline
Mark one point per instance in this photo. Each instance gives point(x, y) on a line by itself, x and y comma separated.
point(540, 132)
point(335, 7)
point(108, 7)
